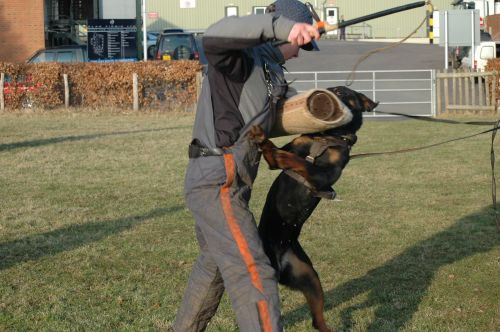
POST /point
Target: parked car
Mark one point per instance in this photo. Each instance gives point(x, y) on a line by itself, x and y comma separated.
point(68, 53)
point(485, 51)
point(177, 46)
point(24, 84)
point(201, 51)
point(152, 38)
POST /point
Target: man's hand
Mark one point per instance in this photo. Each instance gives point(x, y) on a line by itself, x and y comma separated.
point(302, 34)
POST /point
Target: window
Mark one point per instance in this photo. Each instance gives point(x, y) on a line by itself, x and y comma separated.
point(45, 57)
point(231, 11)
point(259, 10)
point(66, 56)
point(487, 53)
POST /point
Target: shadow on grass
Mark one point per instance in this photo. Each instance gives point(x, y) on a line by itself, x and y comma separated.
point(51, 243)
point(396, 288)
point(62, 139)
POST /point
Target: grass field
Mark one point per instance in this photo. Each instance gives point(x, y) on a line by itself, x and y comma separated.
point(94, 234)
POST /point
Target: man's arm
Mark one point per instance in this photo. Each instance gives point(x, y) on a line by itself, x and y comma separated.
point(225, 40)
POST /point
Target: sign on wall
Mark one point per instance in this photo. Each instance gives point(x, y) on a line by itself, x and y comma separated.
point(188, 3)
point(112, 40)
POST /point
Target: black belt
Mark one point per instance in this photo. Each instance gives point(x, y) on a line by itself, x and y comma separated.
point(197, 149)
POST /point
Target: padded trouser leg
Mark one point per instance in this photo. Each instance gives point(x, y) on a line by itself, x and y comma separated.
point(234, 246)
point(203, 293)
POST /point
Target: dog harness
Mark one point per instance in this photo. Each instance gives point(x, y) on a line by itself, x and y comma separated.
point(320, 144)
point(318, 147)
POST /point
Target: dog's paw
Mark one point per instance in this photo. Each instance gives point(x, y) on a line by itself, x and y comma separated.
point(256, 135)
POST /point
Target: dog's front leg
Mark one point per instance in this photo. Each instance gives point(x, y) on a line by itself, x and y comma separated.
point(278, 158)
point(257, 135)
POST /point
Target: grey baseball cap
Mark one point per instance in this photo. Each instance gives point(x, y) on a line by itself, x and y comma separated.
point(298, 12)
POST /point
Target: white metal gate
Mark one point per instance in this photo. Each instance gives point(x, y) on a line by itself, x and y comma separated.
point(403, 91)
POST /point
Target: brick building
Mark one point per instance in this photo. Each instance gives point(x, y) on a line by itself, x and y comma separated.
point(21, 29)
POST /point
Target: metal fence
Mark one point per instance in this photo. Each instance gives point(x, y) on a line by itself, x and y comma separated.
point(403, 91)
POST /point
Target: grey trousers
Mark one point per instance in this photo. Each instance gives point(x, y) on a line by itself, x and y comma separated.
point(232, 258)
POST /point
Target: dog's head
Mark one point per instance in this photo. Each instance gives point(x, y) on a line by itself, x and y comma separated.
point(357, 103)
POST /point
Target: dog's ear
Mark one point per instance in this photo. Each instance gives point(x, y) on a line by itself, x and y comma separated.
point(368, 104)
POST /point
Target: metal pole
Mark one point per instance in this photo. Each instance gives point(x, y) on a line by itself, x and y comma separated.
point(446, 40)
point(433, 93)
point(144, 32)
point(473, 50)
point(374, 87)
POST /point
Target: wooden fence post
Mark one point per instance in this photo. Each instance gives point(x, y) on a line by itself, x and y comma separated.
point(494, 92)
point(2, 100)
point(66, 90)
point(199, 80)
point(467, 88)
point(480, 90)
point(135, 91)
point(446, 93)
point(438, 93)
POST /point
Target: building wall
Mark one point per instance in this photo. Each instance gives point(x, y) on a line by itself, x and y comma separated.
point(21, 29)
point(203, 15)
point(210, 11)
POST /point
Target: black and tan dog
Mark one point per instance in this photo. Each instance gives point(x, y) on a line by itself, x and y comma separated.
point(312, 163)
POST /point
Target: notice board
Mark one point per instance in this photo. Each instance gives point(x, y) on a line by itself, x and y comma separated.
point(112, 40)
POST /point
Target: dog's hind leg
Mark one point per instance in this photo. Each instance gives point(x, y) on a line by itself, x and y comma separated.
point(298, 273)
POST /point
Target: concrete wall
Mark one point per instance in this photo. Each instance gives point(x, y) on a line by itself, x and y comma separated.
point(21, 29)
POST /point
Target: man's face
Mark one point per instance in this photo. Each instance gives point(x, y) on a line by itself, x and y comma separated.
point(289, 51)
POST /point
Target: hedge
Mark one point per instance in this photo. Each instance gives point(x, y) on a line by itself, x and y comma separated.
point(161, 84)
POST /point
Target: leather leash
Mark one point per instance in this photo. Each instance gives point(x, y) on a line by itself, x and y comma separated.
point(372, 154)
point(496, 127)
point(493, 180)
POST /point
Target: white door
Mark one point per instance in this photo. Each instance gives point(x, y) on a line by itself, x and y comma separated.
point(332, 17)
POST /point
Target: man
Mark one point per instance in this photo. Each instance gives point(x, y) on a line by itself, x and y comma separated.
point(244, 82)
point(342, 30)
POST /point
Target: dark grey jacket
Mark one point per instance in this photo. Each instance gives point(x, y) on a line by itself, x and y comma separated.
point(244, 82)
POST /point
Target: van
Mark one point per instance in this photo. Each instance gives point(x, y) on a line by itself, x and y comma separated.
point(485, 51)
